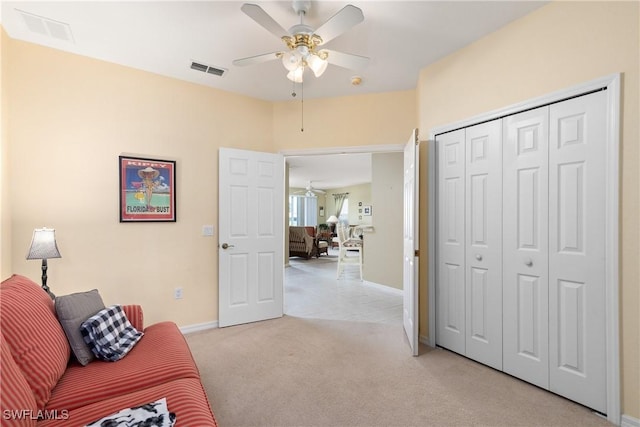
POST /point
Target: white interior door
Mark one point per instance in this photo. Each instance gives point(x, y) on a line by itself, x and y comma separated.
point(450, 238)
point(483, 260)
point(525, 279)
point(410, 242)
point(251, 236)
point(577, 156)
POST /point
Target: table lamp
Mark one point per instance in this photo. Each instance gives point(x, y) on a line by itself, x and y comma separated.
point(43, 246)
point(333, 220)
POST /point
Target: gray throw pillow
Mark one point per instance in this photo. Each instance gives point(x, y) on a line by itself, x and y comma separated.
point(72, 310)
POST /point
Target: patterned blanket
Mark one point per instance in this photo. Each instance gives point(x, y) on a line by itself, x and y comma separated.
point(154, 414)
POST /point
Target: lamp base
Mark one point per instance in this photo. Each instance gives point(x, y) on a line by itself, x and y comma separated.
point(44, 279)
point(48, 291)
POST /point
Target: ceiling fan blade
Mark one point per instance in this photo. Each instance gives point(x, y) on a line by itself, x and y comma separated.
point(258, 14)
point(347, 60)
point(342, 21)
point(258, 59)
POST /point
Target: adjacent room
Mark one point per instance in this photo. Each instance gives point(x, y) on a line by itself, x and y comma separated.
point(155, 157)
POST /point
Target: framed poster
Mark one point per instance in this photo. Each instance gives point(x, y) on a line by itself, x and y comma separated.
point(366, 210)
point(147, 190)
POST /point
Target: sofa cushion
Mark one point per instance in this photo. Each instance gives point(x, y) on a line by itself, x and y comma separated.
point(110, 334)
point(162, 355)
point(185, 397)
point(34, 335)
point(72, 310)
point(15, 395)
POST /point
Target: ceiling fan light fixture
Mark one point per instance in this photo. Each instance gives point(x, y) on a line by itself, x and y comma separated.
point(290, 61)
point(296, 75)
point(317, 65)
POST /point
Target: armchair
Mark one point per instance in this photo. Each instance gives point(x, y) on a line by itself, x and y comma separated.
point(301, 243)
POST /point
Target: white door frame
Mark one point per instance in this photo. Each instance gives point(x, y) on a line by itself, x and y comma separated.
point(612, 84)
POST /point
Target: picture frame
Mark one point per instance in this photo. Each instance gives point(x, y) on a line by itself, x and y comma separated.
point(366, 210)
point(147, 189)
point(321, 210)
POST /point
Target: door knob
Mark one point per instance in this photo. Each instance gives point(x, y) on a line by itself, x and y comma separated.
point(528, 262)
point(479, 257)
point(226, 246)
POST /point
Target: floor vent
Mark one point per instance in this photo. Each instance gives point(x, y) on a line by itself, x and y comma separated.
point(47, 27)
point(208, 69)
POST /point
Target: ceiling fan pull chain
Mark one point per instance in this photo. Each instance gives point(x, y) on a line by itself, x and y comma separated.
point(302, 107)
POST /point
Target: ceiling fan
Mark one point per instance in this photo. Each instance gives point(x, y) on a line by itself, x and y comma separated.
point(310, 191)
point(303, 42)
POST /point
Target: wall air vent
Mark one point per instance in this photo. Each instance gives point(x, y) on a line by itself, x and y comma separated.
point(47, 27)
point(216, 71)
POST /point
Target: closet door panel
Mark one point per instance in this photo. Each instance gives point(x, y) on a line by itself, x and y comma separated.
point(450, 312)
point(525, 246)
point(577, 155)
point(483, 217)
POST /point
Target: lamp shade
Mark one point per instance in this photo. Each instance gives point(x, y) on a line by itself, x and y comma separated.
point(317, 65)
point(43, 244)
point(290, 61)
point(296, 75)
point(333, 219)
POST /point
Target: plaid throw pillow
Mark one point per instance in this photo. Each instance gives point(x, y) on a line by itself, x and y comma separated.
point(109, 334)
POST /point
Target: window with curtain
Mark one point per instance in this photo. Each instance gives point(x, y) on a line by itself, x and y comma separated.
point(344, 213)
point(303, 211)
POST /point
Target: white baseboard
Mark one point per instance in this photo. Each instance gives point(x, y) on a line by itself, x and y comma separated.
point(383, 287)
point(189, 329)
point(629, 421)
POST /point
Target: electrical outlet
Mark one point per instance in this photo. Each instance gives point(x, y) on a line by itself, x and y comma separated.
point(177, 293)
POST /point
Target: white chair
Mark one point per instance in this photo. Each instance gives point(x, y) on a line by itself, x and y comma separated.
point(345, 246)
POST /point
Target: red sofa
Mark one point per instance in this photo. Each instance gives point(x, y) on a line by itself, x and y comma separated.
point(41, 385)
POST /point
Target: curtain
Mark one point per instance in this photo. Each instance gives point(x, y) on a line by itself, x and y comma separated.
point(340, 198)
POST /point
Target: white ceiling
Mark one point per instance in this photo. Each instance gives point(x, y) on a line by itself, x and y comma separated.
point(164, 37)
point(329, 170)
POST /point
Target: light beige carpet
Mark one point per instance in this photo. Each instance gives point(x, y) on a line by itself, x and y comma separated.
point(303, 372)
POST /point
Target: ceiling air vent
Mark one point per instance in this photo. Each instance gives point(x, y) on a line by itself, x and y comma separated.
point(208, 69)
point(47, 27)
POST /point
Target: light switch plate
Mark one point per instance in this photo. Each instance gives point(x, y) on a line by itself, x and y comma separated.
point(207, 230)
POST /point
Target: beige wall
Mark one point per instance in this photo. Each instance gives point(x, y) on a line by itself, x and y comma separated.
point(69, 122)
point(5, 212)
point(557, 46)
point(383, 118)
point(68, 126)
point(383, 246)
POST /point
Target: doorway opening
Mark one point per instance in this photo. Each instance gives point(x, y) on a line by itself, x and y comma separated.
point(311, 288)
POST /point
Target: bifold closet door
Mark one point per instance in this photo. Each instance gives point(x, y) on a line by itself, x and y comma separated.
point(577, 340)
point(450, 291)
point(525, 279)
point(521, 246)
point(483, 248)
point(469, 289)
